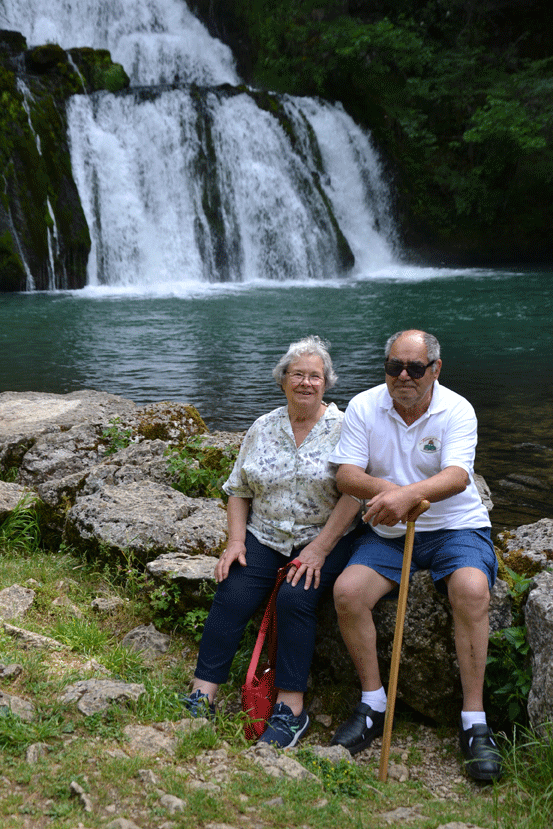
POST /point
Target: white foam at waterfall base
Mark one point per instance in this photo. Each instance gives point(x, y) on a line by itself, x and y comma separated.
point(157, 41)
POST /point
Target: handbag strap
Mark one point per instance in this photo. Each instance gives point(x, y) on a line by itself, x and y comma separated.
point(268, 625)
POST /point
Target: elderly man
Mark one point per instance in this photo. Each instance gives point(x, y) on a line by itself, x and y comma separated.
point(403, 441)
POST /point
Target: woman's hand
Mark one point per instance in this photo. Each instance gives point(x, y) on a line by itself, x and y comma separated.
point(310, 561)
point(235, 551)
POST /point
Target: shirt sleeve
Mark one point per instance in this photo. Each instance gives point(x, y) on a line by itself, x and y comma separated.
point(353, 446)
point(460, 438)
point(237, 482)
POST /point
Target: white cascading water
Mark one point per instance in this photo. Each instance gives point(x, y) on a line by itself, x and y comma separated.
point(180, 184)
point(157, 41)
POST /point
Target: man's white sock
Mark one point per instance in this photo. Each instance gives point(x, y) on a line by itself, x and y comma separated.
point(470, 718)
point(376, 700)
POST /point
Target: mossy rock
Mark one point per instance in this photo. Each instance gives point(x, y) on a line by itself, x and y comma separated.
point(98, 70)
point(45, 58)
point(12, 42)
point(12, 272)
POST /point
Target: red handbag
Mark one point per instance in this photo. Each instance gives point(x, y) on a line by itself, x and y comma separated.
point(259, 692)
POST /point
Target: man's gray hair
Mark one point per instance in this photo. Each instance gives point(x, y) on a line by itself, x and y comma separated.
point(313, 346)
point(430, 341)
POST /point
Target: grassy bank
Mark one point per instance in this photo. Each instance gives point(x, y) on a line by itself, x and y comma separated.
point(93, 751)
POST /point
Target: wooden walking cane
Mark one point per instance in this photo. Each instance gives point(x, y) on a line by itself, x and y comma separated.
point(398, 637)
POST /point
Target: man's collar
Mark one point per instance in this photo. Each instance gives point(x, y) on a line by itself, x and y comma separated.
point(437, 403)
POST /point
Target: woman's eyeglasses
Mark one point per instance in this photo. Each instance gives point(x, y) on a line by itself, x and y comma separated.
point(298, 376)
point(415, 370)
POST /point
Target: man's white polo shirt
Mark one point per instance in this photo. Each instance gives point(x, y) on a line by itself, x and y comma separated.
point(375, 438)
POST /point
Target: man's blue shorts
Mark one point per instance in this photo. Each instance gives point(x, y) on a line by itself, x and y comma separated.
point(440, 551)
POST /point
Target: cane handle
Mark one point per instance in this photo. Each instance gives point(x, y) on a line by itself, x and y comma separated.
point(418, 510)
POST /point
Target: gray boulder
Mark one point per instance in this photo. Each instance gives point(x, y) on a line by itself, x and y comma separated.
point(428, 678)
point(15, 601)
point(95, 695)
point(25, 416)
point(539, 621)
point(182, 567)
point(146, 640)
point(146, 519)
point(532, 542)
point(11, 495)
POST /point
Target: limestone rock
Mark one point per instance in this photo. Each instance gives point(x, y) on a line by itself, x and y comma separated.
point(146, 519)
point(20, 707)
point(278, 764)
point(58, 455)
point(25, 416)
point(429, 673)
point(10, 671)
point(29, 639)
point(36, 752)
point(539, 622)
point(106, 604)
point(172, 803)
point(184, 567)
point(161, 738)
point(95, 695)
point(534, 541)
point(138, 462)
point(484, 492)
point(147, 640)
point(11, 495)
point(15, 601)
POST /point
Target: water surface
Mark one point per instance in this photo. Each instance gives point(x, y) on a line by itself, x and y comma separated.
point(215, 346)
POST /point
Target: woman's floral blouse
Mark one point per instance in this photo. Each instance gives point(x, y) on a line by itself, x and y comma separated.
point(293, 489)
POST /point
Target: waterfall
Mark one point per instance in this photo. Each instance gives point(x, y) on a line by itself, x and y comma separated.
point(157, 41)
point(189, 176)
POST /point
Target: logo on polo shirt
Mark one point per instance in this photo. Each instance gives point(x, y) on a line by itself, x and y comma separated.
point(430, 445)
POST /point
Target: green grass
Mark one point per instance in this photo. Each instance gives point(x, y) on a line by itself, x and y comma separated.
point(89, 749)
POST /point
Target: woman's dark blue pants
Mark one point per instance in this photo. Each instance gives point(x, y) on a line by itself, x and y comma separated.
point(244, 591)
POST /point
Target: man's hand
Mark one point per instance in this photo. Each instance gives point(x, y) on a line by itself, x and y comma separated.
point(311, 560)
point(391, 507)
point(235, 551)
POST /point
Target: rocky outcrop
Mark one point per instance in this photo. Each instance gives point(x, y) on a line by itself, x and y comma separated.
point(531, 545)
point(539, 621)
point(97, 464)
point(146, 519)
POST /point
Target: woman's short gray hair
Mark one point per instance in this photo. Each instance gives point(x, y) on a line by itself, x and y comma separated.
point(430, 341)
point(314, 346)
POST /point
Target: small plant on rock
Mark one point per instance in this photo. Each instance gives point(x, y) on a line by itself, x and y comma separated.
point(200, 471)
point(115, 437)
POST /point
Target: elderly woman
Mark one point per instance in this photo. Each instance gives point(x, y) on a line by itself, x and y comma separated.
point(283, 504)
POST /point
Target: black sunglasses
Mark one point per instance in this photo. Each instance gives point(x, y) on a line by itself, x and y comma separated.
point(414, 370)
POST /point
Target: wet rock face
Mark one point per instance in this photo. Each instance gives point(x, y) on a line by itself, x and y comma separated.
point(44, 236)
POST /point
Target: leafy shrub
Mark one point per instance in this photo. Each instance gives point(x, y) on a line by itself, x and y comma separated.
point(509, 671)
point(509, 674)
point(115, 437)
point(199, 470)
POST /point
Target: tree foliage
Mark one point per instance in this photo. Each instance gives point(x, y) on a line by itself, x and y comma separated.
point(459, 95)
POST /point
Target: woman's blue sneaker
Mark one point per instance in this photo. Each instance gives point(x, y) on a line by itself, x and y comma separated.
point(198, 705)
point(283, 728)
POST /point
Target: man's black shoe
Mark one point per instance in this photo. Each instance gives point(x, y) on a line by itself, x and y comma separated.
point(354, 734)
point(482, 756)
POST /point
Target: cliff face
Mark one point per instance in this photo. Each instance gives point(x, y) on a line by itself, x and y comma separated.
point(44, 238)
